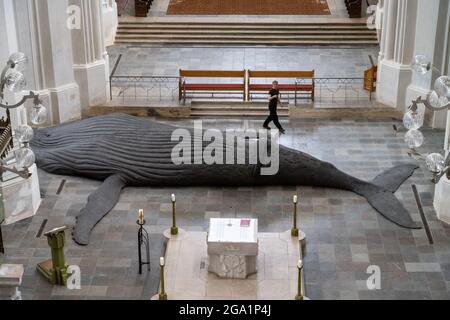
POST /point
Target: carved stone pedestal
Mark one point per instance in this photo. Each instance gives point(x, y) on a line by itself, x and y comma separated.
point(10, 280)
point(233, 247)
point(21, 198)
point(442, 200)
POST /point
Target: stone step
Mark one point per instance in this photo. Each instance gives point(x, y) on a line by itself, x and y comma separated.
point(233, 109)
point(236, 107)
point(263, 110)
point(193, 24)
point(346, 113)
point(246, 34)
point(244, 31)
point(243, 27)
point(348, 42)
point(260, 37)
point(260, 109)
point(243, 113)
point(305, 113)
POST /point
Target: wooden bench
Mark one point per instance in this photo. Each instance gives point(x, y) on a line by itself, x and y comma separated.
point(284, 88)
point(186, 87)
point(142, 7)
point(354, 8)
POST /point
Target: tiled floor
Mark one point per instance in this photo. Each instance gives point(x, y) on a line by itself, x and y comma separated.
point(167, 60)
point(345, 235)
point(276, 278)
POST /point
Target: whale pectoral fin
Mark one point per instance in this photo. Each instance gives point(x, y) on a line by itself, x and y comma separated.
point(392, 179)
point(99, 204)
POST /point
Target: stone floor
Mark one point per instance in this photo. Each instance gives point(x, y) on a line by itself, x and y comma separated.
point(345, 235)
point(168, 60)
point(188, 277)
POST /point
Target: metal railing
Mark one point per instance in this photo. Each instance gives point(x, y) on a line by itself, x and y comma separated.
point(122, 7)
point(144, 89)
point(335, 90)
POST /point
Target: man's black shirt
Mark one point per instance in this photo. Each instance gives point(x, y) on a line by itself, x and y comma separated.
point(274, 102)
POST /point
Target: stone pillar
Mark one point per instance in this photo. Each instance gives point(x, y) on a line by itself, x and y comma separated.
point(90, 56)
point(442, 194)
point(442, 198)
point(110, 21)
point(379, 22)
point(20, 198)
point(398, 43)
point(390, 32)
point(44, 36)
point(432, 36)
point(9, 45)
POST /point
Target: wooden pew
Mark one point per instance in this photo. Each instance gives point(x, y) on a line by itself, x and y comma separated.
point(189, 87)
point(354, 8)
point(142, 7)
point(284, 87)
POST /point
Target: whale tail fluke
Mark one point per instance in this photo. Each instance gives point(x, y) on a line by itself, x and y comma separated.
point(392, 179)
point(99, 204)
point(380, 194)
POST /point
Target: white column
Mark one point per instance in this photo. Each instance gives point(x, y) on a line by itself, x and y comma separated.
point(390, 32)
point(110, 21)
point(90, 57)
point(380, 23)
point(442, 193)
point(383, 15)
point(394, 65)
point(44, 36)
point(432, 37)
point(21, 197)
point(9, 45)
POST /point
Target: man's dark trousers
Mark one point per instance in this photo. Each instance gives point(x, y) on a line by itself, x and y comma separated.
point(273, 117)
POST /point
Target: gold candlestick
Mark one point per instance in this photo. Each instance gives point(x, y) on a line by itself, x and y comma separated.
point(174, 229)
point(162, 294)
point(295, 231)
point(300, 295)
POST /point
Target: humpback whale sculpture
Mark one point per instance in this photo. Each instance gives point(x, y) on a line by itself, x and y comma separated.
point(122, 151)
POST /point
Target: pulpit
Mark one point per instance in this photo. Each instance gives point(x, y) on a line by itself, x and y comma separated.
point(233, 247)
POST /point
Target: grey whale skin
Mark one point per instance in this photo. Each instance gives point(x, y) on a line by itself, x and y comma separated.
point(123, 150)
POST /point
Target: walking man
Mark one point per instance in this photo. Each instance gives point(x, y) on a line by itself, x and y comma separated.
point(274, 99)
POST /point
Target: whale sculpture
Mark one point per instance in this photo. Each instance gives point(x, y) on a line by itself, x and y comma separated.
point(122, 151)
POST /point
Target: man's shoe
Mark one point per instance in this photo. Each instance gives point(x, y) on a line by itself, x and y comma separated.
point(283, 131)
point(267, 128)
